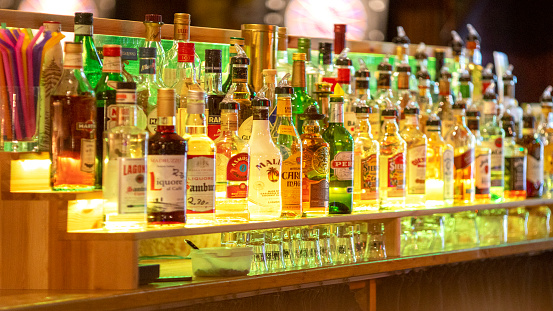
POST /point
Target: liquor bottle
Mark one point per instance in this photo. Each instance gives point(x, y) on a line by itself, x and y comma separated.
point(487, 78)
point(265, 166)
point(148, 86)
point(363, 96)
point(421, 57)
point(515, 162)
point(439, 166)
point(393, 150)
point(125, 175)
point(74, 131)
point(300, 99)
point(315, 168)
point(366, 156)
point(166, 166)
point(181, 33)
point(535, 159)
point(424, 97)
point(281, 64)
point(384, 93)
point(233, 52)
point(457, 65)
point(326, 67)
point(186, 76)
point(465, 88)
point(341, 157)
point(401, 42)
point(92, 65)
point(546, 135)
point(415, 159)
point(322, 96)
point(492, 138)
point(270, 83)
point(153, 23)
point(463, 142)
point(444, 108)
point(232, 167)
point(286, 138)
point(200, 166)
point(482, 159)
point(343, 74)
point(213, 88)
point(474, 62)
point(402, 75)
point(311, 72)
point(510, 104)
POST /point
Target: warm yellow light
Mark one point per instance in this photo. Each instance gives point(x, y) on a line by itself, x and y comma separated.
point(33, 165)
point(30, 175)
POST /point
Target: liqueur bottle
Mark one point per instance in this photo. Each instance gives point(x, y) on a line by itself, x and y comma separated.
point(393, 150)
point(148, 86)
point(343, 70)
point(232, 167)
point(535, 159)
point(300, 99)
point(232, 53)
point(439, 166)
point(384, 93)
point(445, 101)
point(482, 159)
point(200, 163)
point(415, 160)
point(363, 96)
point(241, 92)
point(474, 62)
point(546, 134)
point(311, 73)
point(322, 96)
point(92, 65)
point(213, 88)
point(265, 159)
point(74, 131)
point(166, 166)
point(186, 76)
point(125, 175)
point(403, 75)
point(424, 97)
point(367, 152)
point(341, 157)
point(315, 168)
point(282, 65)
point(153, 23)
point(515, 162)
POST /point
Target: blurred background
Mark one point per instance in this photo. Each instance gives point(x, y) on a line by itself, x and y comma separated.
point(521, 29)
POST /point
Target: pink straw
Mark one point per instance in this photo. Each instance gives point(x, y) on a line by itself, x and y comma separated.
point(27, 117)
point(30, 56)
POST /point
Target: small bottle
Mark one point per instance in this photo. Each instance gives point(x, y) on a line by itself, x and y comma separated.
point(311, 73)
point(316, 165)
point(148, 86)
point(166, 167)
point(242, 92)
point(92, 65)
point(301, 99)
point(213, 88)
point(415, 160)
point(439, 166)
point(367, 152)
point(482, 159)
point(200, 166)
point(232, 167)
point(74, 129)
point(125, 175)
point(265, 166)
point(445, 101)
point(341, 157)
point(515, 162)
point(186, 82)
point(424, 97)
point(282, 65)
point(535, 159)
point(322, 96)
point(153, 23)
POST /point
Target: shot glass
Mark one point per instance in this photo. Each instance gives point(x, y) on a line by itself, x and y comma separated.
point(274, 250)
point(345, 246)
point(428, 233)
point(287, 250)
point(310, 248)
point(325, 244)
point(229, 239)
point(360, 241)
point(377, 248)
point(256, 238)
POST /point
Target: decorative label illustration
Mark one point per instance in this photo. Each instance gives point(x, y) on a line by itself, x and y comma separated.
point(369, 177)
point(534, 173)
point(342, 164)
point(132, 185)
point(88, 155)
point(166, 183)
point(200, 184)
point(416, 170)
point(515, 168)
point(237, 172)
point(396, 175)
point(291, 182)
point(482, 182)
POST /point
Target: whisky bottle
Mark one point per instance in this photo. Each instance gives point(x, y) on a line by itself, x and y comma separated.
point(73, 109)
point(200, 163)
point(300, 99)
point(92, 65)
point(281, 64)
point(241, 92)
point(125, 175)
point(265, 159)
point(393, 150)
point(439, 166)
point(474, 62)
point(148, 86)
point(153, 23)
point(322, 96)
point(415, 160)
point(186, 82)
point(463, 142)
point(232, 167)
point(482, 159)
point(384, 93)
point(546, 135)
point(166, 166)
point(213, 88)
point(311, 73)
point(315, 168)
point(444, 108)
point(535, 159)
point(341, 157)
point(366, 156)
point(515, 162)
point(424, 97)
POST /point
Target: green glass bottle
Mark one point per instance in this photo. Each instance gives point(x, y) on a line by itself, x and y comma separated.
point(341, 158)
point(92, 65)
point(300, 99)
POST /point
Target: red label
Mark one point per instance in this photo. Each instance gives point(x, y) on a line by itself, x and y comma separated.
point(463, 160)
point(186, 58)
point(237, 168)
point(396, 171)
point(499, 142)
point(344, 75)
point(332, 81)
point(237, 191)
point(341, 164)
point(214, 131)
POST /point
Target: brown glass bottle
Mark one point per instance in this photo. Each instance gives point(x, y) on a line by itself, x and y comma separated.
point(534, 161)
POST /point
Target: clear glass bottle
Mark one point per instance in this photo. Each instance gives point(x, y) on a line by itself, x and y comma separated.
point(148, 86)
point(270, 83)
point(424, 98)
point(510, 103)
point(153, 23)
point(232, 53)
point(281, 63)
point(402, 76)
point(474, 62)
point(535, 159)
point(241, 92)
point(125, 175)
point(300, 99)
point(326, 67)
point(311, 72)
point(343, 65)
point(213, 87)
point(439, 166)
point(366, 156)
point(322, 96)
point(92, 64)
point(384, 93)
point(186, 76)
point(200, 166)
point(465, 88)
point(444, 108)
point(482, 159)
point(515, 161)
point(546, 135)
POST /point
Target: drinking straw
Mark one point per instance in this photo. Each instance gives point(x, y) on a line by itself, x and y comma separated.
point(27, 117)
point(6, 118)
point(37, 56)
point(17, 122)
point(30, 62)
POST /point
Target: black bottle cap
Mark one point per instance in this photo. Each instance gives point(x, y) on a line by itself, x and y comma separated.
point(344, 61)
point(311, 113)
point(490, 96)
point(456, 46)
point(528, 121)
point(403, 68)
point(325, 47)
point(126, 85)
point(240, 60)
point(384, 66)
point(153, 18)
point(473, 113)
point(284, 90)
point(261, 102)
point(465, 77)
point(362, 84)
point(389, 113)
point(423, 74)
point(362, 73)
point(473, 125)
point(488, 75)
point(411, 110)
point(230, 105)
point(421, 55)
point(459, 105)
point(84, 18)
point(433, 122)
point(213, 61)
point(363, 109)
point(401, 40)
point(147, 52)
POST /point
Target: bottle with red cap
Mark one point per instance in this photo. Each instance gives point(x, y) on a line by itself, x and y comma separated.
point(186, 77)
point(153, 24)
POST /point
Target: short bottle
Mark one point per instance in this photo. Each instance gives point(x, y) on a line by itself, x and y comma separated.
point(535, 159)
point(166, 167)
point(482, 159)
point(439, 166)
point(125, 152)
point(515, 161)
point(200, 163)
point(148, 86)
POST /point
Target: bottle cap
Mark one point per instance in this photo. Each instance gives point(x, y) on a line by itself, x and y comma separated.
point(153, 18)
point(546, 97)
point(411, 110)
point(126, 85)
point(401, 37)
point(363, 71)
point(389, 112)
point(299, 56)
point(465, 77)
point(283, 87)
point(304, 46)
point(261, 102)
point(325, 47)
point(422, 74)
point(403, 67)
point(229, 105)
point(311, 113)
point(487, 73)
point(181, 18)
point(146, 52)
point(83, 18)
point(528, 121)
point(322, 87)
point(458, 105)
point(166, 100)
point(112, 50)
point(434, 122)
point(196, 101)
point(341, 28)
point(213, 61)
point(456, 43)
point(489, 94)
point(73, 47)
point(473, 113)
point(338, 95)
point(384, 65)
point(241, 57)
point(363, 109)
point(421, 54)
point(269, 72)
point(236, 40)
point(472, 35)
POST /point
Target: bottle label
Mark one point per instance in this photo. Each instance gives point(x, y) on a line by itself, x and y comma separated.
point(342, 164)
point(349, 121)
point(284, 106)
point(73, 61)
point(447, 125)
point(82, 30)
point(182, 32)
point(239, 74)
point(447, 168)
point(374, 120)
point(316, 161)
point(291, 182)
point(463, 160)
point(112, 64)
point(185, 58)
point(88, 154)
point(515, 168)
point(229, 122)
point(416, 170)
point(411, 120)
point(214, 126)
point(489, 106)
point(403, 81)
point(152, 121)
point(200, 186)
point(132, 185)
point(384, 81)
point(166, 183)
point(245, 130)
point(396, 175)
point(315, 192)
point(497, 160)
point(482, 182)
point(147, 66)
point(344, 76)
point(369, 177)
point(237, 170)
point(264, 182)
point(534, 173)
point(287, 130)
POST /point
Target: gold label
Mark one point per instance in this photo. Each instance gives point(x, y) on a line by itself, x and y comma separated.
point(369, 177)
point(291, 182)
point(287, 130)
point(284, 106)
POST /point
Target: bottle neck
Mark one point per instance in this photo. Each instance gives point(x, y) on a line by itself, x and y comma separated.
point(390, 125)
point(459, 115)
point(344, 76)
point(336, 113)
point(412, 120)
point(403, 80)
point(284, 107)
point(153, 32)
point(229, 121)
point(260, 127)
point(112, 64)
point(528, 131)
point(181, 32)
point(490, 110)
point(82, 31)
point(362, 126)
point(189, 70)
point(126, 114)
point(298, 74)
point(239, 73)
point(384, 81)
point(434, 132)
point(213, 83)
point(195, 121)
point(466, 89)
point(311, 127)
point(166, 124)
point(73, 61)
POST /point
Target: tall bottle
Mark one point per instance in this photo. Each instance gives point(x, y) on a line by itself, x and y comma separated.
point(515, 161)
point(316, 165)
point(148, 86)
point(300, 99)
point(424, 97)
point(326, 67)
point(415, 160)
point(439, 166)
point(384, 93)
point(535, 159)
point(510, 103)
point(367, 152)
point(546, 134)
point(166, 166)
point(474, 62)
point(200, 163)
point(213, 87)
point(311, 72)
point(233, 164)
point(92, 65)
point(445, 102)
point(73, 109)
point(270, 83)
point(482, 159)
point(125, 175)
point(363, 97)
point(402, 76)
point(153, 23)
point(343, 69)
point(322, 96)
point(265, 159)
point(186, 76)
point(282, 65)
point(466, 87)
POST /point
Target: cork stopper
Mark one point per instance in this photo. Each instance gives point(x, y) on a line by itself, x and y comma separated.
point(166, 102)
point(73, 47)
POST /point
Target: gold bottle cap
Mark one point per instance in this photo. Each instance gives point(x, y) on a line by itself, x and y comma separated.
point(259, 27)
point(281, 31)
point(299, 56)
point(166, 102)
point(236, 40)
point(73, 47)
point(269, 72)
point(322, 87)
point(181, 18)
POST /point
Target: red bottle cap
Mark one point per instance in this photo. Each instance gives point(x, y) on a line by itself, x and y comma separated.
point(112, 50)
point(340, 28)
point(186, 52)
point(155, 18)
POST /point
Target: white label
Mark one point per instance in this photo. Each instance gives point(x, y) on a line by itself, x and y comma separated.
point(497, 159)
point(152, 121)
point(132, 185)
point(447, 125)
point(83, 30)
point(342, 164)
point(411, 120)
point(88, 155)
point(482, 174)
point(336, 113)
point(416, 170)
point(349, 122)
point(200, 186)
point(166, 183)
point(448, 174)
point(73, 61)
point(264, 180)
point(112, 64)
point(534, 173)
point(490, 108)
point(245, 130)
point(374, 120)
